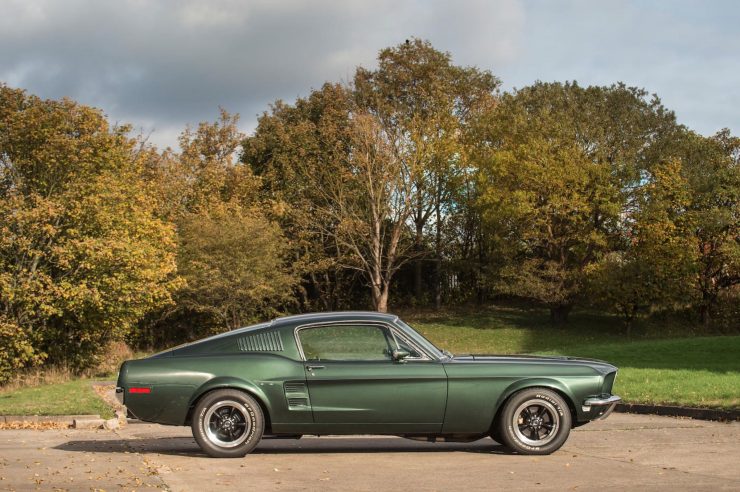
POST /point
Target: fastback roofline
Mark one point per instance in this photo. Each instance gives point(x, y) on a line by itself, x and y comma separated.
point(307, 317)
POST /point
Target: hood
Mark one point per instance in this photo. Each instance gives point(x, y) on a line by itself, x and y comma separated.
point(600, 365)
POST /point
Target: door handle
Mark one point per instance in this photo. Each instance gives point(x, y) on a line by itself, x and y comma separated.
point(313, 367)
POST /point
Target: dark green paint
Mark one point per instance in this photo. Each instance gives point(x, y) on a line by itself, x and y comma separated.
point(441, 395)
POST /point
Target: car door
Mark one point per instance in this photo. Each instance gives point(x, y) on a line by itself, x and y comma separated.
point(354, 381)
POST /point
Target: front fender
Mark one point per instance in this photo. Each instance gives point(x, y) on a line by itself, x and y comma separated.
point(548, 383)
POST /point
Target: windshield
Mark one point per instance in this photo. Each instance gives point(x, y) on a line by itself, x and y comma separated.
point(439, 353)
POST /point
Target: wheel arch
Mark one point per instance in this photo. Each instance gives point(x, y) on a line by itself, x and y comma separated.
point(235, 384)
point(545, 383)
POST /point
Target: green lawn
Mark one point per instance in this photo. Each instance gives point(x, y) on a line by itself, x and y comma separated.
point(69, 398)
point(663, 363)
point(660, 365)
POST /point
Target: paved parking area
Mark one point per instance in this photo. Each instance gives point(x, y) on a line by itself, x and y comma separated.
point(623, 452)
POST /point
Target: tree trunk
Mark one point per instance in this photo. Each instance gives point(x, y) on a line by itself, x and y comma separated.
point(628, 327)
point(705, 315)
point(418, 262)
point(630, 313)
point(381, 291)
point(559, 314)
point(375, 288)
point(438, 284)
point(382, 303)
point(480, 272)
point(438, 257)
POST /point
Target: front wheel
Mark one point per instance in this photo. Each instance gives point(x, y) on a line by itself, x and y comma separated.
point(227, 423)
point(534, 421)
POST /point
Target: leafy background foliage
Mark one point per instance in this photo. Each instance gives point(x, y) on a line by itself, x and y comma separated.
point(419, 184)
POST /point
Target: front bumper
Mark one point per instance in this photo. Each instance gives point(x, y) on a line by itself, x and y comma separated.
point(599, 407)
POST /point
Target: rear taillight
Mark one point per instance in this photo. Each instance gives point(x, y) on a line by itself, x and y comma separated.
point(140, 390)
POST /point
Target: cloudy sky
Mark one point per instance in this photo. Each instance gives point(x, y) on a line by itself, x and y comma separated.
point(163, 64)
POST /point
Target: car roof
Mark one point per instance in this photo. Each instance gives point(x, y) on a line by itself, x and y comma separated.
point(333, 316)
point(294, 320)
point(298, 319)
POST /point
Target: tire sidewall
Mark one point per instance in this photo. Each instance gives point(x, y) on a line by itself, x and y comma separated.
point(255, 417)
point(506, 429)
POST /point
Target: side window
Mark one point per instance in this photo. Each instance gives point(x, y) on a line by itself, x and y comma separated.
point(346, 342)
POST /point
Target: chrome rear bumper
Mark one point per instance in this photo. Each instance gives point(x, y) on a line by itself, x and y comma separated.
point(119, 394)
point(605, 405)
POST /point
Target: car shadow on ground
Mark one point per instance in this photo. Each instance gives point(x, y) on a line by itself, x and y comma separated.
point(184, 446)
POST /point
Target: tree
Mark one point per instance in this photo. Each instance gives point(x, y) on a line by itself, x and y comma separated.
point(346, 187)
point(654, 266)
point(558, 163)
point(82, 256)
point(421, 103)
point(232, 257)
point(712, 169)
point(424, 101)
point(234, 264)
point(363, 203)
point(292, 149)
point(370, 200)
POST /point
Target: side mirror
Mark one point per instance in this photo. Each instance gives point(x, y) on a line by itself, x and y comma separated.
point(399, 355)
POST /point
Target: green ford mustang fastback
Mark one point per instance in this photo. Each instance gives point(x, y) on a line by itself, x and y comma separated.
point(360, 373)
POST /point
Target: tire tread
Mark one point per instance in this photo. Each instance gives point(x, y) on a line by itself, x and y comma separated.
point(257, 428)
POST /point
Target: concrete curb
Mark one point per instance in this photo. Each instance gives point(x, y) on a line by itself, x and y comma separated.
point(73, 421)
point(89, 423)
point(669, 411)
point(68, 420)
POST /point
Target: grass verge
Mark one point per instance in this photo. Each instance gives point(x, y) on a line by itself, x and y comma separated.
point(75, 397)
point(663, 363)
point(655, 366)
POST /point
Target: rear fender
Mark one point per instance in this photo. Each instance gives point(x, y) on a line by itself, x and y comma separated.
point(230, 383)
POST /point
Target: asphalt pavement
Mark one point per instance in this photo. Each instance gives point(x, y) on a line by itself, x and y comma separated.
point(625, 452)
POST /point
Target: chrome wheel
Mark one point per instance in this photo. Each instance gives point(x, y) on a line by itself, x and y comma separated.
point(227, 423)
point(536, 422)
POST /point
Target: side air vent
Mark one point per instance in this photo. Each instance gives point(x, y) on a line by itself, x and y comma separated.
point(297, 396)
point(268, 341)
point(295, 388)
point(297, 402)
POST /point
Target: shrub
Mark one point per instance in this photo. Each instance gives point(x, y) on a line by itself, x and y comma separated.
point(16, 350)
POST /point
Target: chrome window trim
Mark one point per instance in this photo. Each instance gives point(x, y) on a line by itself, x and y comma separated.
point(397, 334)
point(395, 331)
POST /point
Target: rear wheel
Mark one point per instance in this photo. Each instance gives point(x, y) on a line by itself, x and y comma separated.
point(227, 423)
point(534, 421)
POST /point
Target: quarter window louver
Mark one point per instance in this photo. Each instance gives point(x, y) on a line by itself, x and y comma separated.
point(268, 341)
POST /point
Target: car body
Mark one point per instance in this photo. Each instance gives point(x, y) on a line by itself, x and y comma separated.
point(360, 373)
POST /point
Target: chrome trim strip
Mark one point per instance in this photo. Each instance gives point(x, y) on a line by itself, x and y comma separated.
point(598, 401)
point(610, 401)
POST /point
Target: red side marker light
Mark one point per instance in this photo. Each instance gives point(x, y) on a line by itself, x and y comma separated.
point(140, 390)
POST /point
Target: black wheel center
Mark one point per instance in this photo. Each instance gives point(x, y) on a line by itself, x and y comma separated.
point(534, 422)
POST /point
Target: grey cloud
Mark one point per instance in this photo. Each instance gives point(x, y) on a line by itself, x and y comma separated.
point(162, 64)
